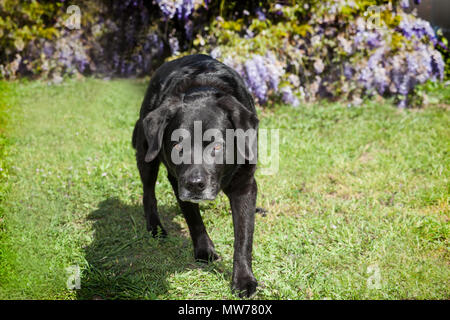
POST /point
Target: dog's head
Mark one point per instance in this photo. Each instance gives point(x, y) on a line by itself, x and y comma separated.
point(201, 140)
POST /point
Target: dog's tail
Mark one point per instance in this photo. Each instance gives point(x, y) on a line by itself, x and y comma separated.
point(134, 138)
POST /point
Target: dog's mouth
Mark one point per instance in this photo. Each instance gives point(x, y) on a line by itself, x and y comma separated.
point(197, 199)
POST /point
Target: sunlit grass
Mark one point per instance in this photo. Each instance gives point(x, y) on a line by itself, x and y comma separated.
point(358, 189)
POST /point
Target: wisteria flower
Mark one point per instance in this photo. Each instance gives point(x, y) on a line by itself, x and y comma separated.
point(318, 65)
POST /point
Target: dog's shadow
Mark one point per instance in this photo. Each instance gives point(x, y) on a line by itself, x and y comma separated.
point(126, 262)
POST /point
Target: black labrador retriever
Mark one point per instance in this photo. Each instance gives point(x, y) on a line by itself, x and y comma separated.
point(199, 96)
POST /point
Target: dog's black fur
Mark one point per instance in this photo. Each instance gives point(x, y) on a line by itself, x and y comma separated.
point(199, 88)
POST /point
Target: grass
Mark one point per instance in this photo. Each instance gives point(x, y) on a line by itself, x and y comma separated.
point(361, 197)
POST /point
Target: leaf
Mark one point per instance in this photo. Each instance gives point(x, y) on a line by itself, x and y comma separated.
point(19, 44)
point(302, 30)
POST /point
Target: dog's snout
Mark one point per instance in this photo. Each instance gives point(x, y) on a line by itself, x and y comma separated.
point(196, 183)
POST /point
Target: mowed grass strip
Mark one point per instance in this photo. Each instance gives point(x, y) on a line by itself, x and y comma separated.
point(358, 208)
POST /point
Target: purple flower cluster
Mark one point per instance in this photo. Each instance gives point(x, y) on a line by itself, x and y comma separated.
point(374, 75)
point(174, 45)
point(262, 75)
point(404, 4)
point(67, 55)
point(412, 27)
point(398, 72)
point(181, 8)
point(256, 75)
point(260, 14)
point(369, 63)
point(289, 97)
point(129, 45)
point(367, 37)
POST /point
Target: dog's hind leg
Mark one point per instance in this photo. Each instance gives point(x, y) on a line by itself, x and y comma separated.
point(149, 174)
point(203, 246)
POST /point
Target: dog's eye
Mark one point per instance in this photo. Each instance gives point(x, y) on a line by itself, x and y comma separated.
point(217, 148)
point(178, 147)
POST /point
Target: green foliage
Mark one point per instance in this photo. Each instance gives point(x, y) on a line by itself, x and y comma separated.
point(24, 21)
point(314, 42)
point(327, 46)
point(443, 47)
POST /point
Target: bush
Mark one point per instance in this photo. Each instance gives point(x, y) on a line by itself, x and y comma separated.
point(328, 50)
point(302, 50)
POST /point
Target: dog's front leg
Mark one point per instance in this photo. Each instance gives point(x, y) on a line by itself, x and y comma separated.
point(203, 246)
point(243, 205)
point(149, 174)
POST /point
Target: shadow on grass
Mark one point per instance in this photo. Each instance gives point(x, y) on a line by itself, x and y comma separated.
point(125, 261)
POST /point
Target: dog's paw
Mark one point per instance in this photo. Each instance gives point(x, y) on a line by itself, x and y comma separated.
point(207, 255)
point(157, 232)
point(244, 286)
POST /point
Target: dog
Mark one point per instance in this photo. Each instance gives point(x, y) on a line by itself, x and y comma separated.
point(192, 95)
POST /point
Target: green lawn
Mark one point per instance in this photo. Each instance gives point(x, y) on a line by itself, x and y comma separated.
point(359, 208)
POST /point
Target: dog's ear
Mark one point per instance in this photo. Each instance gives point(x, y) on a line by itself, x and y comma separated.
point(243, 119)
point(154, 125)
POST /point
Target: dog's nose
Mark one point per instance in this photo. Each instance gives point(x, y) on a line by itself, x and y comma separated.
point(196, 183)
